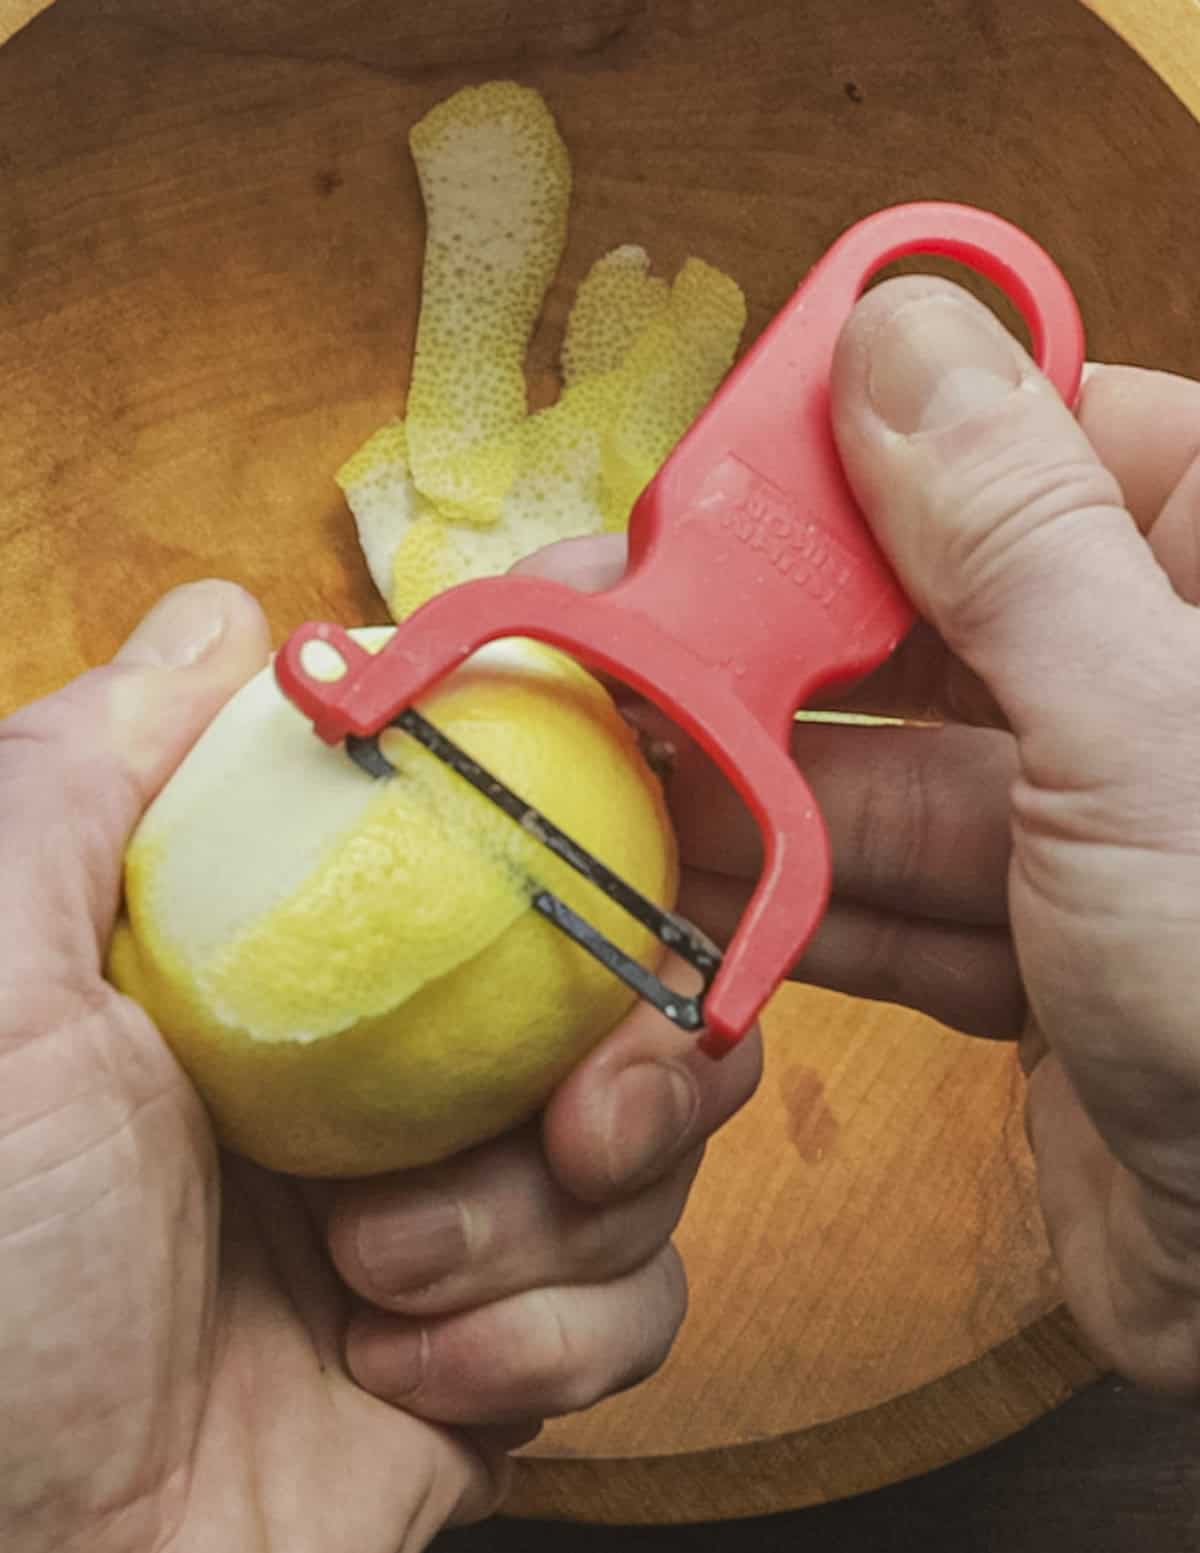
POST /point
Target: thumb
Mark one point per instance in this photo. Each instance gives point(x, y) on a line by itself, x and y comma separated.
point(78, 767)
point(1008, 532)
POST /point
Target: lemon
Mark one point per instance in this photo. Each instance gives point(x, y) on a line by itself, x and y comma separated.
point(351, 971)
point(496, 183)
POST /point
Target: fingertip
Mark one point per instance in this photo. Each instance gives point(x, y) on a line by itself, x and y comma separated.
point(246, 646)
point(248, 625)
point(591, 564)
point(196, 647)
point(1145, 426)
point(644, 1101)
point(195, 623)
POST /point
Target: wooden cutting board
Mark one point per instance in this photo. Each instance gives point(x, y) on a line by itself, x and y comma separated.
point(210, 240)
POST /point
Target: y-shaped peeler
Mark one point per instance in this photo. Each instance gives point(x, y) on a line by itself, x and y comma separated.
point(752, 582)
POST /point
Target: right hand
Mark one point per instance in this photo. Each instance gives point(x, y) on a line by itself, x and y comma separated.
point(1031, 866)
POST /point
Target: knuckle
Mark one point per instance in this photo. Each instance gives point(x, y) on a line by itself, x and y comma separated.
point(670, 1302)
point(891, 827)
point(552, 1364)
point(564, 1364)
point(880, 956)
point(675, 1189)
point(576, 1357)
point(673, 1279)
point(611, 1243)
point(990, 509)
point(910, 821)
point(607, 1243)
point(640, 1346)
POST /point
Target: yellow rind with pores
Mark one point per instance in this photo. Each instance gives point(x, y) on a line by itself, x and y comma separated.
point(668, 376)
point(386, 504)
point(672, 345)
point(496, 182)
point(615, 301)
point(469, 482)
point(393, 997)
point(555, 495)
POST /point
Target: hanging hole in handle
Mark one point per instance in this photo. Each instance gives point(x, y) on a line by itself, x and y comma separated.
point(321, 661)
point(984, 290)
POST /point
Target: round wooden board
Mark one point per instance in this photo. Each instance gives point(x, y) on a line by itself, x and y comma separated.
point(210, 242)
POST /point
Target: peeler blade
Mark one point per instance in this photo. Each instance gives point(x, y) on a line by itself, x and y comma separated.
point(679, 935)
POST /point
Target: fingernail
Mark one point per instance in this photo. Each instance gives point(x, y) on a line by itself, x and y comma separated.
point(936, 361)
point(402, 1251)
point(652, 1109)
point(182, 628)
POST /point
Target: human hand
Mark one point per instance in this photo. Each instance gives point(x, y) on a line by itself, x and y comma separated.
point(198, 1355)
point(1031, 864)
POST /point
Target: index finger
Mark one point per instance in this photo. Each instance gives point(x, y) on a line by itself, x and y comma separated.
point(1145, 427)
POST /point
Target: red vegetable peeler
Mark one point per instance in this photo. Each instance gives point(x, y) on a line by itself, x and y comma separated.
point(752, 582)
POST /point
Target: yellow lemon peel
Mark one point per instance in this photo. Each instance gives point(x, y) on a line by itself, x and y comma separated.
point(470, 483)
point(614, 302)
point(413, 552)
point(670, 373)
point(555, 495)
point(384, 500)
point(560, 454)
point(424, 562)
point(496, 182)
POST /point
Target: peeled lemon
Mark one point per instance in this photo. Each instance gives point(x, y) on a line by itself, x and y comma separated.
point(351, 971)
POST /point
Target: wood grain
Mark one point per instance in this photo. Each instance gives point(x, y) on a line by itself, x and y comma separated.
point(210, 241)
point(15, 14)
point(1110, 1471)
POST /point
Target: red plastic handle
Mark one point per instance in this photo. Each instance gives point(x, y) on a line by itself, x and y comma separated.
point(753, 579)
point(754, 502)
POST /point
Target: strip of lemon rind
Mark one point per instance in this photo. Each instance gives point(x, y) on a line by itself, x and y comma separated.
point(383, 499)
point(412, 552)
point(615, 301)
point(672, 370)
point(496, 181)
point(562, 454)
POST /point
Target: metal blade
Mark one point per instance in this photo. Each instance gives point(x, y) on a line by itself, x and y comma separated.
point(676, 932)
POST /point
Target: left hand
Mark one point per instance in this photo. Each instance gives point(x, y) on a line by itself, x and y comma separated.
point(199, 1355)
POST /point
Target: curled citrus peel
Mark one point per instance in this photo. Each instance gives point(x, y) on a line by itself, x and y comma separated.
point(616, 300)
point(496, 182)
point(672, 370)
point(470, 482)
point(381, 493)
